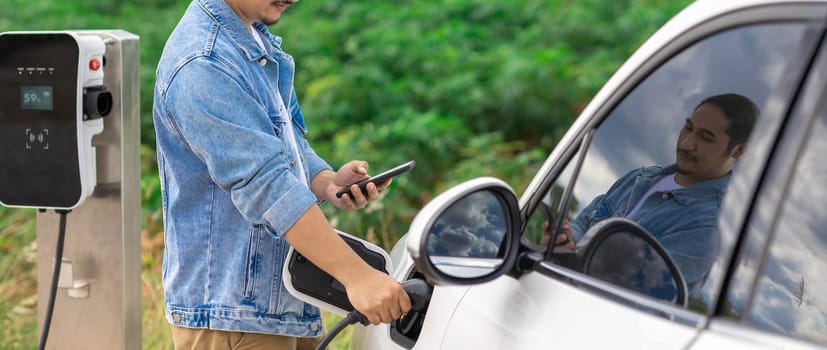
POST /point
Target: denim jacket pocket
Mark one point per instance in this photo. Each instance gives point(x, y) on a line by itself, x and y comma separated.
point(278, 124)
point(286, 303)
point(252, 263)
point(263, 286)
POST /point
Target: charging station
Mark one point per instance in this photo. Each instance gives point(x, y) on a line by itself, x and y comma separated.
point(70, 142)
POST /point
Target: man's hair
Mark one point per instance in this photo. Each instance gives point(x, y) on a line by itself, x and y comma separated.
point(741, 112)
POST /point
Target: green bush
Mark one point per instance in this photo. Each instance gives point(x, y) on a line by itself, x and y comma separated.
point(464, 87)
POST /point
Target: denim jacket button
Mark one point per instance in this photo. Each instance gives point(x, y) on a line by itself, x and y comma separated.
point(665, 195)
point(263, 62)
point(293, 164)
point(314, 326)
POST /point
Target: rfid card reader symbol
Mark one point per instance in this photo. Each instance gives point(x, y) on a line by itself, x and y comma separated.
point(37, 138)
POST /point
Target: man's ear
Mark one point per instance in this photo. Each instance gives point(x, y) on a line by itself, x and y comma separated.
point(738, 150)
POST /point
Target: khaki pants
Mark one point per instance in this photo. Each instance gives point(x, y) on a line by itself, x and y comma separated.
point(208, 339)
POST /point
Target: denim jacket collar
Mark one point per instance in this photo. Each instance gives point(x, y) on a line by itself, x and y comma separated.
point(704, 189)
point(274, 42)
point(227, 18)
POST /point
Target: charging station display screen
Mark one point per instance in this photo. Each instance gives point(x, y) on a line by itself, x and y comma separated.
point(37, 98)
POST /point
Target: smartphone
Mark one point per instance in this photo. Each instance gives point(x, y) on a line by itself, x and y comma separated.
point(377, 179)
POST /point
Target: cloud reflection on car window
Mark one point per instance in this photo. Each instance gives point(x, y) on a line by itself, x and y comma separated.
point(790, 295)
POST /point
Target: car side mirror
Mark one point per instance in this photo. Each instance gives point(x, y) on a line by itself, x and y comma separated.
point(468, 234)
point(621, 252)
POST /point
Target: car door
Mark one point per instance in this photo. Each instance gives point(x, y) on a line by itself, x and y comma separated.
point(774, 297)
point(760, 52)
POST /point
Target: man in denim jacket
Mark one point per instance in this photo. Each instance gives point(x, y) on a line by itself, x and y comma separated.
point(679, 204)
point(240, 184)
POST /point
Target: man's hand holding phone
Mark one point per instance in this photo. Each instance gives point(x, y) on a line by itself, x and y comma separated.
point(350, 173)
point(356, 189)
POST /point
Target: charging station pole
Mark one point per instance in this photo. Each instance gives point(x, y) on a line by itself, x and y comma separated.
point(98, 302)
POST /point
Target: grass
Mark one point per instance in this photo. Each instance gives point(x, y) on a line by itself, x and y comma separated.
point(18, 279)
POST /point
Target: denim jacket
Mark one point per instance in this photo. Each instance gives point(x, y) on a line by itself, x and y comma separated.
point(228, 179)
point(684, 221)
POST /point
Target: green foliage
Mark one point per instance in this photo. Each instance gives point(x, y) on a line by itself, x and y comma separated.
point(464, 87)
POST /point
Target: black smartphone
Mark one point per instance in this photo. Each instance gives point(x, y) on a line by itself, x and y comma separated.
point(377, 179)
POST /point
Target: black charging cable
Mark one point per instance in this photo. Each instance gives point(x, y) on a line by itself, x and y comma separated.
point(61, 234)
point(418, 290)
point(351, 318)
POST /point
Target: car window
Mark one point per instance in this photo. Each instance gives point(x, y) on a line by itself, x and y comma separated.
point(789, 297)
point(668, 143)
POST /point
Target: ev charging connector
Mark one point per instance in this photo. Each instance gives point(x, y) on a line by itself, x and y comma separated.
point(70, 141)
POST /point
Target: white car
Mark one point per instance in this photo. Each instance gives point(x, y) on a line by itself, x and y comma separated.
point(497, 287)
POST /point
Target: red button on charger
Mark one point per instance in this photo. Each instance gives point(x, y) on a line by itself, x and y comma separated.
point(94, 64)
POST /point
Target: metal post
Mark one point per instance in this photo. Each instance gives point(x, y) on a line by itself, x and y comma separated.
point(99, 303)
